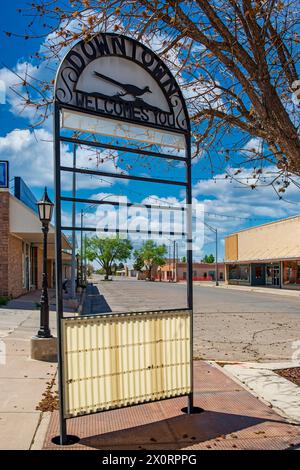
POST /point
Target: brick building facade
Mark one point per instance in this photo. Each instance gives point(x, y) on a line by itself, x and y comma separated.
point(201, 271)
point(21, 254)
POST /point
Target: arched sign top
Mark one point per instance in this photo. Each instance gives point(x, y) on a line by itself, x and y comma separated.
point(118, 77)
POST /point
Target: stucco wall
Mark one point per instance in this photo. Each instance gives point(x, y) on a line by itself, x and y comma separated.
point(273, 241)
point(231, 248)
point(269, 242)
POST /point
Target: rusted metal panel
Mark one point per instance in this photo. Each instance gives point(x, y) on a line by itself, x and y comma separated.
point(117, 360)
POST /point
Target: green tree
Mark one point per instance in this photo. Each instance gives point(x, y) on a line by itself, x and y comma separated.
point(138, 263)
point(209, 258)
point(183, 259)
point(150, 254)
point(107, 251)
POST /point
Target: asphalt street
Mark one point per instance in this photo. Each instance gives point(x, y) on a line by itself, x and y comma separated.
point(229, 325)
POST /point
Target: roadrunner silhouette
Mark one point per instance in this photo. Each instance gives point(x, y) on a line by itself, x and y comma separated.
point(128, 89)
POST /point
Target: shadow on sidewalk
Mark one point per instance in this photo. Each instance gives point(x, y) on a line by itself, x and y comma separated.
point(179, 432)
point(232, 419)
point(31, 301)
point(94, 302)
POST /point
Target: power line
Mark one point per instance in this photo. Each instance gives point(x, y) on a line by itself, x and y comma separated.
point(170, 205)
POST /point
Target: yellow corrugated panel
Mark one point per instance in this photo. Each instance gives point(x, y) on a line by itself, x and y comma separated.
point(116, 360)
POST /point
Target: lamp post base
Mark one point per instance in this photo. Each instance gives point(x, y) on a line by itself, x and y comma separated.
point(43, 349)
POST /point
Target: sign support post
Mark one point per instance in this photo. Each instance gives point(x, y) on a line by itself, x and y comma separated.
point(58, 275)
point(189, 263)
point(147, 106)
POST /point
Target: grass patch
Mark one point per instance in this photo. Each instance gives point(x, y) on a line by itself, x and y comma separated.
point(3, 300)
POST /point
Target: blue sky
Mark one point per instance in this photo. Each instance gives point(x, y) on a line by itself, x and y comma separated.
point(227, 205)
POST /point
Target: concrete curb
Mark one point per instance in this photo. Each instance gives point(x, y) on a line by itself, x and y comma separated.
point(41, 430)
point(261, 380)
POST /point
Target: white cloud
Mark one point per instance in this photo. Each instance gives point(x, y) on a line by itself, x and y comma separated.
point(226, 203)
point(36, 76)
point(14, 81)
point(31, 156)
point(254, 145)
point(223, 205)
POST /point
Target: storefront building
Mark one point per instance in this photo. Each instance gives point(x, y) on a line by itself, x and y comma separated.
point(178, 271)
point(267, 255)
point(21, 253)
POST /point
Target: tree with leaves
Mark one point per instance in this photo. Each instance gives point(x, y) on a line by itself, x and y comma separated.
point(236, 61)
point(138, 263)
point(208, 259)
point(151, 255)
point(107, 251)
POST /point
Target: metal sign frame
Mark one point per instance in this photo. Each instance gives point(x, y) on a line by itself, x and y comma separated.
point(65, 90)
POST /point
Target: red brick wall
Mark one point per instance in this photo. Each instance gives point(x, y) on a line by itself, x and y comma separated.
point(15, 268)
point(4, 232)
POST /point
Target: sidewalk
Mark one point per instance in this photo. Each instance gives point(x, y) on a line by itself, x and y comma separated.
point(233, 419)
point(261, 290)
point(22, 380)
point(31, 301)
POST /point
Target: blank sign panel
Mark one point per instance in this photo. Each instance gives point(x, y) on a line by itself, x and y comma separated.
point(116, 360)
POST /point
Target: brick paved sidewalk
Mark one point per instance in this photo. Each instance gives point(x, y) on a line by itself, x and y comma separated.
point(233, 419)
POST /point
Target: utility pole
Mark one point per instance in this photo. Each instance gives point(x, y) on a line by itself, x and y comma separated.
point(73, 265)
point(81, 247)
point(169, 270)
point(215, 231)
point(176, 277)
point(85, 261)
point(174, 260)
point(217, 270)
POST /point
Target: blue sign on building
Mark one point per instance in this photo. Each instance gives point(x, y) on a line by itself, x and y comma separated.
point(4, 176)
point(24, 194)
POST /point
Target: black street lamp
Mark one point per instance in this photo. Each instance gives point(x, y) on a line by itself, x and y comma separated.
point(45, 208)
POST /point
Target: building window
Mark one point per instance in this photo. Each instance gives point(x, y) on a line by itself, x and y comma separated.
point(258, 272)
point(25, 266)
point(239, 272)
point(273, 274)
point(291, 272)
